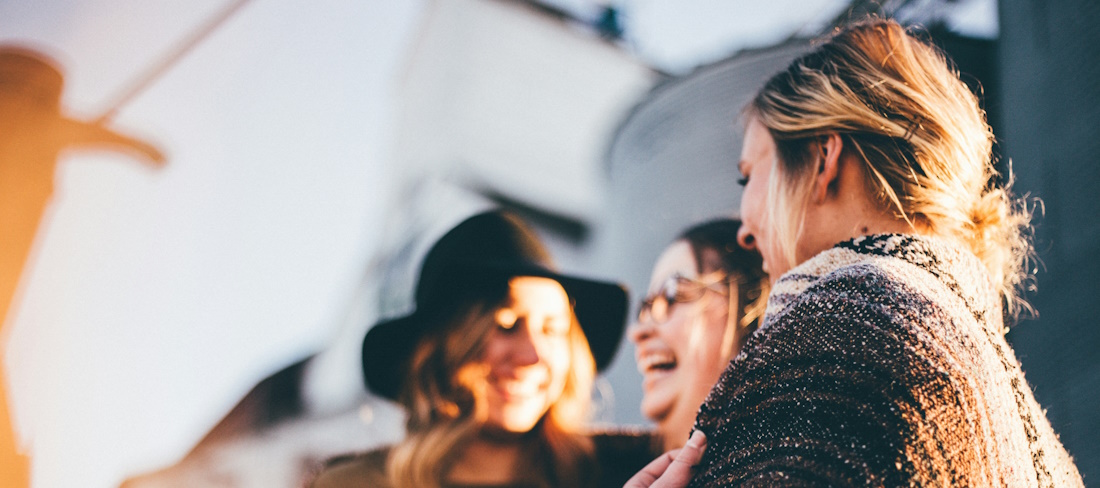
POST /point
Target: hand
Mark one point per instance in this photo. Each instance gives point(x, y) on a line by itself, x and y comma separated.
point(674, 468)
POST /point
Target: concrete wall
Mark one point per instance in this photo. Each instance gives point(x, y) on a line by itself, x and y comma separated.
point(672, 164)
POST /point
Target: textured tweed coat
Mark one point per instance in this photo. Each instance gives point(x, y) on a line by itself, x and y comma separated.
point(881, 362)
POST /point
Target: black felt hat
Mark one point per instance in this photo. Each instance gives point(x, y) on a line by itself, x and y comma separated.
point(486, 248)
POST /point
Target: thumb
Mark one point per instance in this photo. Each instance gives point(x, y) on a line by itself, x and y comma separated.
point(682, 469)
point(690, 455)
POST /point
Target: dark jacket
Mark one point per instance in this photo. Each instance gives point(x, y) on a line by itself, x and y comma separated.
point(618, 456)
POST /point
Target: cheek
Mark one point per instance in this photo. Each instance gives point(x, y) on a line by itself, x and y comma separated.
point(558, 361)
point(494, 353)
point(752, 205)
point(689, 339)
point(676, 333)
point(699, 342)
point(713, 357)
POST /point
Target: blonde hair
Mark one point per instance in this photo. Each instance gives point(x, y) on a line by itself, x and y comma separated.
point(898, 104)
point(445, 400)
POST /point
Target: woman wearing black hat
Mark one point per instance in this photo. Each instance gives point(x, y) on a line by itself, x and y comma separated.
point(495, 369)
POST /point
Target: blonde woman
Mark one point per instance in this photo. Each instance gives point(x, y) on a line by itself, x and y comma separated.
point(871, 194)
point(495, 369)
point(705, 297)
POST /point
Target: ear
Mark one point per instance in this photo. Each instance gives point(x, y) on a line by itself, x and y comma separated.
point(829, 151)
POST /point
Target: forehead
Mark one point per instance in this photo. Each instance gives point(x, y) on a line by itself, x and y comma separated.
point(528, 291)
point(677, 259)
point(758, 144)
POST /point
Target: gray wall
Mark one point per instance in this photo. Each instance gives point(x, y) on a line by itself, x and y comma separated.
point(1050, 110)
point(672, 163)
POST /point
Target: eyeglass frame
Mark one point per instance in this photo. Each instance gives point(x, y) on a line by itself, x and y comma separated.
point(707, 282)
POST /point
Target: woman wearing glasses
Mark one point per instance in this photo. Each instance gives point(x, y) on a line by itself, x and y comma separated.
point(705, 298)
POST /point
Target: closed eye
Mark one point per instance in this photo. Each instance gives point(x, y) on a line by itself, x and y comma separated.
point(556, 327)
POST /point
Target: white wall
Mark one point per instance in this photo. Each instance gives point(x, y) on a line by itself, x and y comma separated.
point(158, 298)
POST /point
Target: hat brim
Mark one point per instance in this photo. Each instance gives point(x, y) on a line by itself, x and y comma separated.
point(386, 351)
point(600, 308)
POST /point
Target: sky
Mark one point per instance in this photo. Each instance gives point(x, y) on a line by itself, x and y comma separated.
point(158, 298)
point(676, 36)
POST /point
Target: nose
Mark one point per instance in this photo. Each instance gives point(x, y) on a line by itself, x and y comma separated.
point(640, 330)
point(525, 351)
point(745, 238)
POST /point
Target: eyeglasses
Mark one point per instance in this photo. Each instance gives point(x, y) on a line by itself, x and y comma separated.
point(679, 289)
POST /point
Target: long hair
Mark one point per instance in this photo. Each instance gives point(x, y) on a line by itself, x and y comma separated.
point(742, 267)
point(899, 106)
point(445, 399)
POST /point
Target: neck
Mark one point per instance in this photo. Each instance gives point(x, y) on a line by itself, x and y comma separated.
point(850, 224)
point(878, 224)
point(487, 461)
point(674, 430)
point(849, 210)
point(674, 427)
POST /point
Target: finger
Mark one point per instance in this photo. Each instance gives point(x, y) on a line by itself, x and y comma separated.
point(652, 471)
point(692, 452)
point(682, 468)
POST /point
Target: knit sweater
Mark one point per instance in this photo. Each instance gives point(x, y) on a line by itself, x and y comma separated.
point(880, 362)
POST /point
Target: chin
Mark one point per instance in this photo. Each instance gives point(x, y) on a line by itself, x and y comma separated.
point(516, 422)
point(513, 427)
point(654, 409)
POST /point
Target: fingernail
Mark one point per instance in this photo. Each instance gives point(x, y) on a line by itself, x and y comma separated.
point(698, 438)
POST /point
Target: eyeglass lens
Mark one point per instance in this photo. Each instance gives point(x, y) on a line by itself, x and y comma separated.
point(657, 306)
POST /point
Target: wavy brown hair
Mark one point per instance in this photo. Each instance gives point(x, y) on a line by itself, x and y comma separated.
point(445, 400)
point(899, 106)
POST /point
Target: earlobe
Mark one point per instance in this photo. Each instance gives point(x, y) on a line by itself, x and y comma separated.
point(828, 167)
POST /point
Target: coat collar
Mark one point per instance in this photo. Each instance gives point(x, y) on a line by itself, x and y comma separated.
point(949, 263)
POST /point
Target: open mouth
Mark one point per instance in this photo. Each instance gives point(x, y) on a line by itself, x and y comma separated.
point(656, 362)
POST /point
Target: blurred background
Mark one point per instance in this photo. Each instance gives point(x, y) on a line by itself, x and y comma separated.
point(199, 323)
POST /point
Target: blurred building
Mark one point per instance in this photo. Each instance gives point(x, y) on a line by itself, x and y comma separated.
point(1049, 70)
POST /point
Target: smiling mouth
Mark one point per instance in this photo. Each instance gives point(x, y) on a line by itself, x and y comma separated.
point(517, 389)
point(656, 362)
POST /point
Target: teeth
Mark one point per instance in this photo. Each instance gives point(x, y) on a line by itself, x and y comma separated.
point(519, 388)
point(652, 360)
